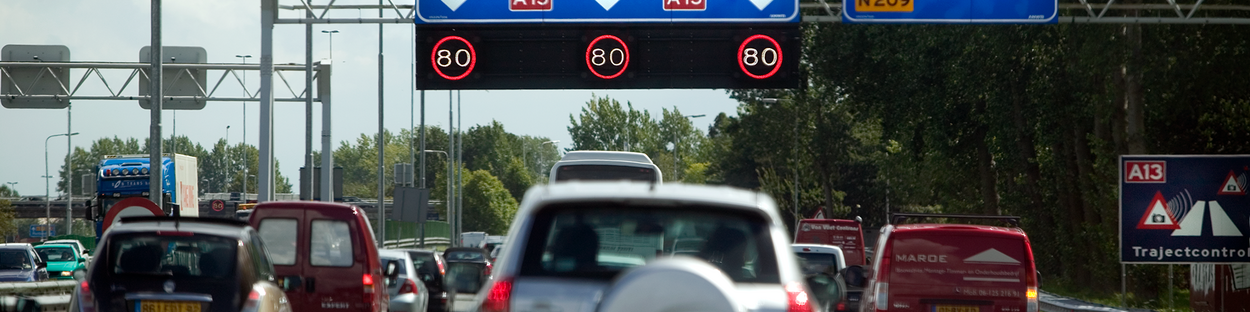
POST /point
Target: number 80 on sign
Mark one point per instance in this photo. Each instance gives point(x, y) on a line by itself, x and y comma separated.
point(759, 56)
point(453, 58)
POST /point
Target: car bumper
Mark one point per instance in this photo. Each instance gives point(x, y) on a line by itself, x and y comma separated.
point(405, 303)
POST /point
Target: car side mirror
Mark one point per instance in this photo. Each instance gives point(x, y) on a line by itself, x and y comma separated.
point(828, 289)
point(42, 264)
point(80, 275)
point(1039, 278)
point(854, 276)
point(392, 271)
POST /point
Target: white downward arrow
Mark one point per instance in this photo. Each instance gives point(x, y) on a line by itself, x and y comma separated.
point(607, 4)
point(760, 4)
point(455, 4)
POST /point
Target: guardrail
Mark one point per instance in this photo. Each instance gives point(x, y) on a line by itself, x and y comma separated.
point(53, 296)
point(1048, 302)
point(413, 242)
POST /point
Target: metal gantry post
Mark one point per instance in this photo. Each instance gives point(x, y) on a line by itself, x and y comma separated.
point(327, 151)
point(459, 169)
point(264, 182)
point(307, 190)
point(154, 134)
point(69, 172)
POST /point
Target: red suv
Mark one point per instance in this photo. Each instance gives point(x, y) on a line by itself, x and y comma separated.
point(326, 253)
point(952, 267)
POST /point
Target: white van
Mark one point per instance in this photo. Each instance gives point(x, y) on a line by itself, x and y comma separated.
point(605, 165)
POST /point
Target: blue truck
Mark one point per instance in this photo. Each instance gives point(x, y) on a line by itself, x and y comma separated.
point(126, 176)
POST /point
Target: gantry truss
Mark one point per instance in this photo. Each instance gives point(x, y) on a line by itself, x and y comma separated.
point(127, 90)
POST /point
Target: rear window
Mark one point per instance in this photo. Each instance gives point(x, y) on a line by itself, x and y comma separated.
point(56, 253)
point(331, 244)
point(14, 260)
point(814, 263)
point(465, 255)
point(279, 236)
point(602, 172)
point(400, 268)
point(599, 240)
point(197, 255)
point(930, 258)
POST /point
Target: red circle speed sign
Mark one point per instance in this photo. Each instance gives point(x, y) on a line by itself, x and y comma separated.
point(218, 205)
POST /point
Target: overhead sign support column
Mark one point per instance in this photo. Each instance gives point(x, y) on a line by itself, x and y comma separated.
point(268, 13)
point(154, 136)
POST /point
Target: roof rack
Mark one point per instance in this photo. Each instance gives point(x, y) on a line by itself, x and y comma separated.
point(179, 219)
point(896, 218)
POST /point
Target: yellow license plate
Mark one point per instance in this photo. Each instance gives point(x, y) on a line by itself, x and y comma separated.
point(956, 308)
point(169, 306)
point(885, 5)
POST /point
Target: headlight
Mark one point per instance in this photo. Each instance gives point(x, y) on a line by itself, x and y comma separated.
point(115, 172)
point(67, 273)
point(126, 171)
point(145, 170)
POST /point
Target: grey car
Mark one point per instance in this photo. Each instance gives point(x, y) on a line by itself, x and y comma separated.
point(609, 246)
point(408, 293)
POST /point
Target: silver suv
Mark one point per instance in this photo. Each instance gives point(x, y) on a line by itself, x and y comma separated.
point(610, 246)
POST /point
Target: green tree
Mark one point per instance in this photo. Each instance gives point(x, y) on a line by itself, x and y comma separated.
point(5, 191)
point(7, 217)
point(488, 206)
point(604, 124)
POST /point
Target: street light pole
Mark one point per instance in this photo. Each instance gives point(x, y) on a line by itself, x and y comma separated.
point(331, 32)
point(244, 144)
point(543, 158)
point(228, 177)
point(676, 171)
point(47, 192)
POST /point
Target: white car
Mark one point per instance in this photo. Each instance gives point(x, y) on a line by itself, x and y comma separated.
point(608, 246)
point(815, 259)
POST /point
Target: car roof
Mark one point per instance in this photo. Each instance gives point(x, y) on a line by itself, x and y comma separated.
point(636, 191)
point(969, 228)
point(216, 227)
point(606, 155)
point(303, 205)
point(47, 245)
point(14, 245)
point(392, 253)
point(816, 248)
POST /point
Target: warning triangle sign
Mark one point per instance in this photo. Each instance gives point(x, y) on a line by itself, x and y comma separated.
point(1231, 187)
point(1158, 216)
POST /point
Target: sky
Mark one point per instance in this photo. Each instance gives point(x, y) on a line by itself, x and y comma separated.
point(115, 31)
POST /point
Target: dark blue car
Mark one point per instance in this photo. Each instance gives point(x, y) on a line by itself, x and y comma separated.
point(20, 263)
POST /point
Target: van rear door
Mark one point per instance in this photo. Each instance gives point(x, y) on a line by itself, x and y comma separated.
point(336, 260)
point(283, 230)
point(958, 269)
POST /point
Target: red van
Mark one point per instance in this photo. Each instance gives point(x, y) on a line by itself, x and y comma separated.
point(952, 267)
point(846, 234)
point(327, 251)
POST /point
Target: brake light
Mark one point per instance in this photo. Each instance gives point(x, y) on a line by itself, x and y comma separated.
point(883, 296)
point(1030, 280)
point(882, 278)
point(498, 297)
point(367, 295)
point(86, 300)
point(488, 268)
point(441, 270)
point(799, 300)
point(408, 287)
point(841, 306)
point(253, 300)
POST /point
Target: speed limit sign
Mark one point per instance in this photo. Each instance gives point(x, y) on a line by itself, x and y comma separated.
point(218, 205)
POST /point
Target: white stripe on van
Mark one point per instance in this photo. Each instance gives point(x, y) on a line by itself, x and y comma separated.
point(991, 279)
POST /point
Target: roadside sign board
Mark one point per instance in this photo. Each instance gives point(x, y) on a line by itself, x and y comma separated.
point(42, 230)
point(410, 204)
point(951, 11)
point(177, 82)
point(35, 80)
point(606, 11)
point(1184, 209)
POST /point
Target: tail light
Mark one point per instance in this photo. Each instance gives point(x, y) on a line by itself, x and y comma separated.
point(488, 268)
point(498, 297)
point(441, 270)
point(367, 280)
point(1030, 280)
point(799, 300)
point(86, 300)
point(883, 296)
point(841, 306)
point(253, 300)
point(409, 287)
point(882, 278)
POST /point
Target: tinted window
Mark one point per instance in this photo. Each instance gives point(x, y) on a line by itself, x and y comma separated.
point(601, 172)
point(56, 253)
point(601, 240)
point(331, 243)
point(280, 239)
point(14, 260)
point(813, 263)
point(465, 256)
point(426, 266)
point(197, 255)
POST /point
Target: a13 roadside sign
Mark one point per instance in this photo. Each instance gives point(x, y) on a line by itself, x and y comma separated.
point(1184, 209)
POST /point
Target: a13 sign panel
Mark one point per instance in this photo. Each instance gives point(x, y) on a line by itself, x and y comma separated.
point(693, 56)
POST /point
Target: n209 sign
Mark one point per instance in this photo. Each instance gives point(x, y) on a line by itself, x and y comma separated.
point(467, 57)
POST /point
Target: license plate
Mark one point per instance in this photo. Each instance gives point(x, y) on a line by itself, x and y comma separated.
point(956, 308)
point(168, 306)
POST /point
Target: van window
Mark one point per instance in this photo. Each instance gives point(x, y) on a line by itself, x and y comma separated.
point(604, 172)
point(331, 244)
point(280, 239)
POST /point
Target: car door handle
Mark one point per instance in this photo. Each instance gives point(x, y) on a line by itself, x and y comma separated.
point(310, 284)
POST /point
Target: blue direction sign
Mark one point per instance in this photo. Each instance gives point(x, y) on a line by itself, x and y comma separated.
point(951, 11)
point(1184, 209)
point(42, 230)
point(606, 11)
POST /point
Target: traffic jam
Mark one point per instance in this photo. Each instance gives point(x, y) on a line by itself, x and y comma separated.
point(605, 234)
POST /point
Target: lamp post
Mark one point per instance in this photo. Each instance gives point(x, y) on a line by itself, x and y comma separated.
point(331, 32)
point(226, 188)
point(47, 192)
point(676, 170)
point(11, 184)
point(795, 155)
point(244, 57)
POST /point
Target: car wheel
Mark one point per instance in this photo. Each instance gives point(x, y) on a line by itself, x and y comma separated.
point(672, 284)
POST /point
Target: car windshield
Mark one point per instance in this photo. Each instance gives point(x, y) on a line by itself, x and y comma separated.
point(602, 172)
point(56, 253)
point(14, 260)
point(195, 255)
point(599, 240)
point(814, 263)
